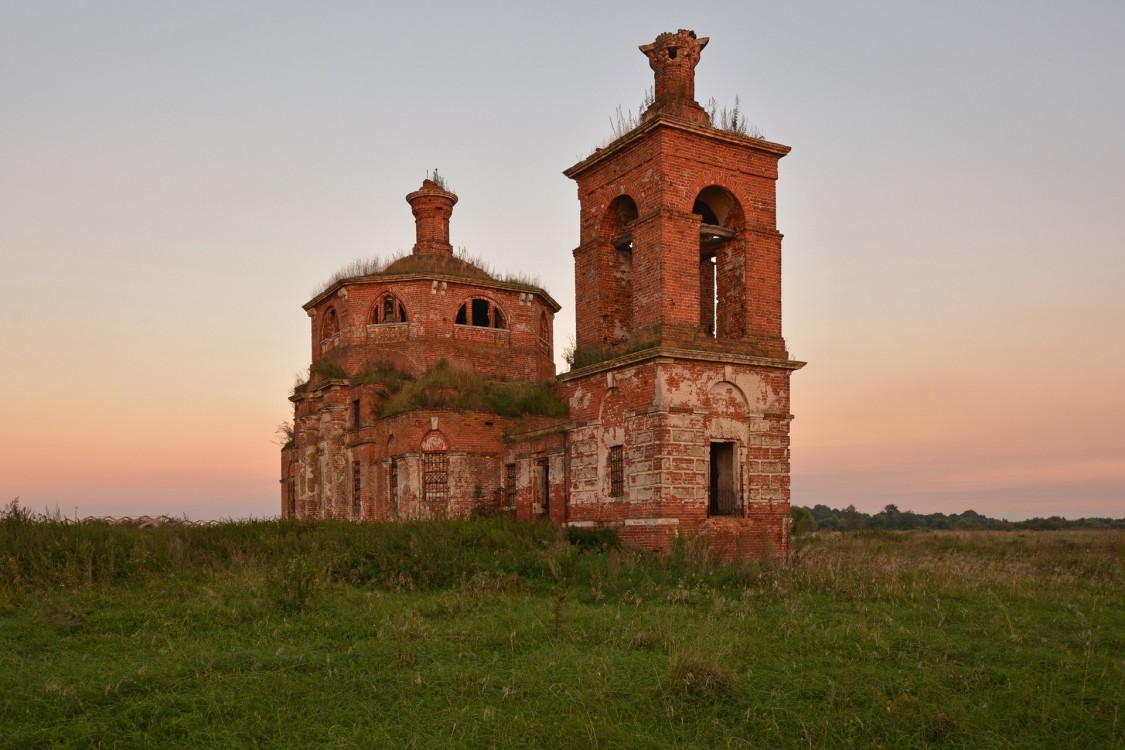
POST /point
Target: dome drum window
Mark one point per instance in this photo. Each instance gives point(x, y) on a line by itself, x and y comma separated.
point(481, 313)
point(389, 309)
point(330, 325)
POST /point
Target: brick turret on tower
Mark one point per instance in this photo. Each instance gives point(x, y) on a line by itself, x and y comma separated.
point(673, 58)
point(432, 205)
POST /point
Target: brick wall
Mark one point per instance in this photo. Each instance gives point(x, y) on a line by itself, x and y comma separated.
point(516, 352)
point(678, 287)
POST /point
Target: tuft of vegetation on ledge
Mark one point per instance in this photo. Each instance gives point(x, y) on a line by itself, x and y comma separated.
point(446, 387)
point(578, 357)
point(461, 264)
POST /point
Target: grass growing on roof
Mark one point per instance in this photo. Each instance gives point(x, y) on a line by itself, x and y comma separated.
point(447, 387)
point(461, 264)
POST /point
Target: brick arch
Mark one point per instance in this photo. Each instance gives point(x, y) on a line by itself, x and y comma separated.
point(611, 445)
point(758, 207)
point(700, 181)
point(723, 203)
point(330, 323)
point(611, 408)
point(491, 317)
point(619, 215)
point(434, 441)
point(722, 263)
point(388, 308)
point(726, 399)
point(615, 260)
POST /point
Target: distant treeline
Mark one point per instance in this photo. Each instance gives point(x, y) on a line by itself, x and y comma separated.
point(850, 519)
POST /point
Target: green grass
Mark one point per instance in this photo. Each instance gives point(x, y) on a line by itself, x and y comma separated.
point(493, 634)
point(461, 264)
point(446, 387)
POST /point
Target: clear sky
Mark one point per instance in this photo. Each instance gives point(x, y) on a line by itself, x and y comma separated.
point(176, 179)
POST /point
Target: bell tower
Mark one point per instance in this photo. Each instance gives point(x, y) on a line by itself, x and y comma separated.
point(679, 241)
point(678, 308)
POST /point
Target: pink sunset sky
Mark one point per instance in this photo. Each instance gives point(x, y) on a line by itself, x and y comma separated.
point(176, 179)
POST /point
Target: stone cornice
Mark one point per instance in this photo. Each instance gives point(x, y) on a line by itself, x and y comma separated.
point(674, 123)
point(669, 354)
point(450, 278)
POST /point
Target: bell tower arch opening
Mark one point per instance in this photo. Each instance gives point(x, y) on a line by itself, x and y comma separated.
point(722, 265)
point(616, 242)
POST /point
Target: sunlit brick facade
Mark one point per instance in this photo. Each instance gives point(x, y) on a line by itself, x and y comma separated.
point(679, 394)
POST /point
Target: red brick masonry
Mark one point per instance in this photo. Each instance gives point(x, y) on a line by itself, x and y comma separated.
point(681, 373)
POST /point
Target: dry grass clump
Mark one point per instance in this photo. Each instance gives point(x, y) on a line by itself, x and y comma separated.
point(461, 264)
point(692, 673)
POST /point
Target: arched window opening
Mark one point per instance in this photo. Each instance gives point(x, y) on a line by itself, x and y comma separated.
point(617, 234)
point(722, 271)
point(481, 313)
point(435, 472)
point(389, 309)
point(618, 222)
point(331, 325)
point(544, 330)
point(706, 212)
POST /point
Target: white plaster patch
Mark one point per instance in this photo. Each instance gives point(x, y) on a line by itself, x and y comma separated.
point(759, 396)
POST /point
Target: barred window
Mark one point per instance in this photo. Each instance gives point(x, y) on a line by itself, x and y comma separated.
point(616, 471)
point(510, 483)
point(435, 477)
point(355, 488)
point(394, 481)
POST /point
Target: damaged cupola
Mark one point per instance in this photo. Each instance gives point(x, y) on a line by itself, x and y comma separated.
point(432, 206)
point(673, 58)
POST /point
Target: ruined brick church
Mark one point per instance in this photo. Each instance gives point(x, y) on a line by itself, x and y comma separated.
point(433, 393)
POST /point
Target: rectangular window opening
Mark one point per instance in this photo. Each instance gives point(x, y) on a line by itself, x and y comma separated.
point(617, 471)
point(723, 490)
point(394, 484)
point(510, 484)
point(480, 313)
point(435, 478)
point(355, 414)
point(356, 506)
point(545, 485)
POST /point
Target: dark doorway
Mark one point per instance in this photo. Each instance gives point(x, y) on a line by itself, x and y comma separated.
point(723, 494)
point(545, 485)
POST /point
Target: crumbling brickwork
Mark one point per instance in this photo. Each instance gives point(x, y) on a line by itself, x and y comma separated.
point(679, 395)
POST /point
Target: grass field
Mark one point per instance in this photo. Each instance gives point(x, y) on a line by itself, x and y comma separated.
point(492, 634)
